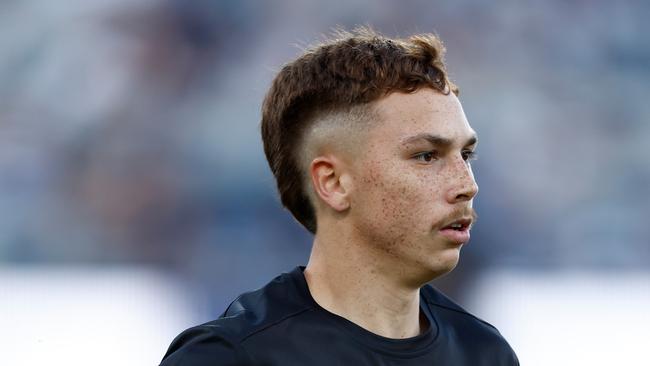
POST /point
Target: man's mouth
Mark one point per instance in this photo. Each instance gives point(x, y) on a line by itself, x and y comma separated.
point(457, 231)
point(460, 224)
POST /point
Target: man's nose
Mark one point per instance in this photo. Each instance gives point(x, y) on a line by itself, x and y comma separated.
point(463, 186)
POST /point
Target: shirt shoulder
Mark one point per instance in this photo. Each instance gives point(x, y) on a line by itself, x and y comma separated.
point(205, 345)
point(251, 313)
point(468, 331)
point(442, 302)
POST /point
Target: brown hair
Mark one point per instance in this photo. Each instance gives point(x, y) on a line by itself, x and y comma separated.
point(351, 69)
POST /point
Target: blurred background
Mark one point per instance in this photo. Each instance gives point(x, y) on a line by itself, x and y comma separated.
point(135, 199)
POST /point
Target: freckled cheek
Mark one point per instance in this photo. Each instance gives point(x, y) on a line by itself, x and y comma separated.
point(403, 200)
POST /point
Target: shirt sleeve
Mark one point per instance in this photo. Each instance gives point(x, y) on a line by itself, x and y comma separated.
point(205, 345)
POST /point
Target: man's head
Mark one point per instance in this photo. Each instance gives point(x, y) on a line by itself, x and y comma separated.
point(324, 99)
point(366, 138)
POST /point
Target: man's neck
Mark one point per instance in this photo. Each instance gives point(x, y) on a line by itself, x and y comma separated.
point(345, 280)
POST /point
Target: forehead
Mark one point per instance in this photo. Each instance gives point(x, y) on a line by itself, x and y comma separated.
point(426, 111)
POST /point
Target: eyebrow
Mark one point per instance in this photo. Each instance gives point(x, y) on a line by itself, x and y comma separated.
point(438, 140)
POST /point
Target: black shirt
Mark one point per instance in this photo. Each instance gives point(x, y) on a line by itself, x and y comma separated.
point(281, 324)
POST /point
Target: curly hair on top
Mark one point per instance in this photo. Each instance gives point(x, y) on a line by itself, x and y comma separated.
point(347, 70)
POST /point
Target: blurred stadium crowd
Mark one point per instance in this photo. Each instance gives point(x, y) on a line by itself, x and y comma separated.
point(129, 131)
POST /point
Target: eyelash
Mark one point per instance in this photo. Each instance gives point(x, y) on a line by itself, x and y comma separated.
point(420, 156)
point(470, 155)
point(467, 156)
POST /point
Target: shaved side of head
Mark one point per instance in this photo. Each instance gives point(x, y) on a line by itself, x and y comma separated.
point(339, 132)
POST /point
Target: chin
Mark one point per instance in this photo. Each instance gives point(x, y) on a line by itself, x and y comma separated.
point(425, 270)
point(443, 262)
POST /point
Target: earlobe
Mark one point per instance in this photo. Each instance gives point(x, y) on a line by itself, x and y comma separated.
point(330, 185)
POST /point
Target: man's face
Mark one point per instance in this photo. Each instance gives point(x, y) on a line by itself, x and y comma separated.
point(412, 180)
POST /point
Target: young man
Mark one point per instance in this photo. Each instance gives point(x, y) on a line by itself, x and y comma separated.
point(371, 152)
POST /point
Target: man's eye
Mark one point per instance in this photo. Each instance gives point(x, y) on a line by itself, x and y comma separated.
point(427, 157)
point(469, 155)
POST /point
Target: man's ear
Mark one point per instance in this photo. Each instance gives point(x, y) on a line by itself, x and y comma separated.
point(330, 182)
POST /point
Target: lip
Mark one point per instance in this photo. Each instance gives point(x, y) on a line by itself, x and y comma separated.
point(456, 236)
point(465, 222)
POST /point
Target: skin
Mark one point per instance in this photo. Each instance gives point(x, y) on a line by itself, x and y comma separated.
point(381, 203)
